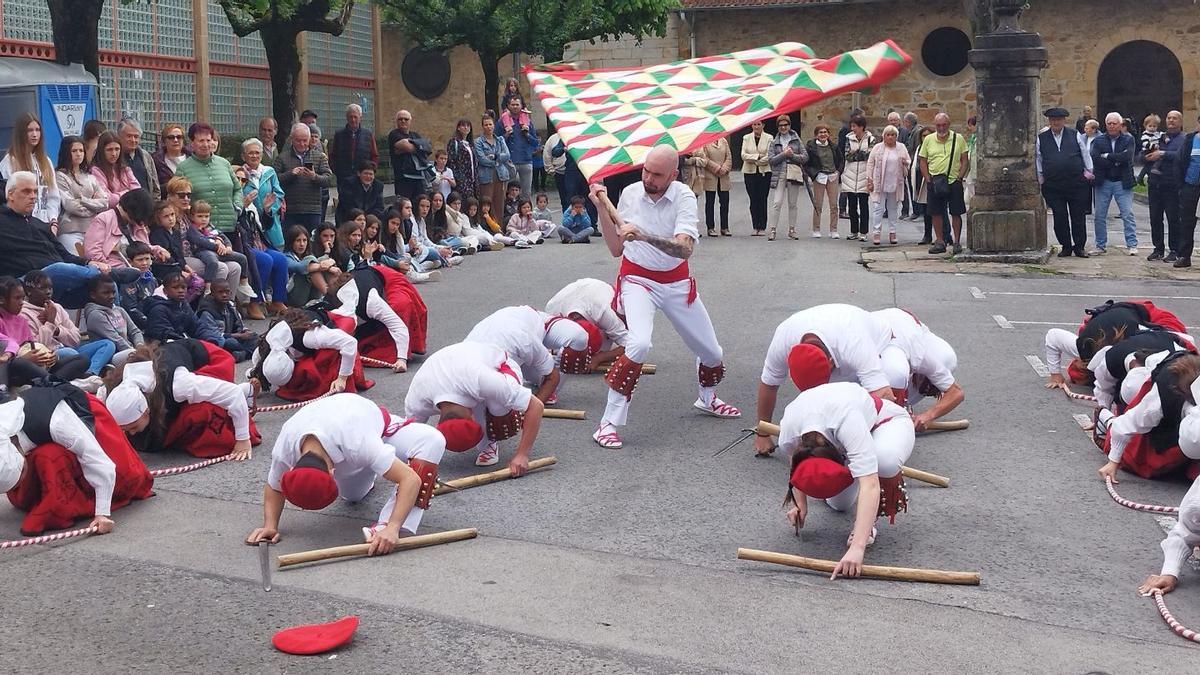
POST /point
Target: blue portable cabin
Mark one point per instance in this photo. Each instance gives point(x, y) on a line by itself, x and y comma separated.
point(62, 97)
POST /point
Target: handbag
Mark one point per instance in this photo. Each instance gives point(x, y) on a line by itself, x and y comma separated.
point(939, 185)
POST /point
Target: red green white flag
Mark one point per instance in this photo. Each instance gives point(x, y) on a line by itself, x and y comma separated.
point(609, 119)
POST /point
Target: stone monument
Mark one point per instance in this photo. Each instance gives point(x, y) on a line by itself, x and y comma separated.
point(1007, 218)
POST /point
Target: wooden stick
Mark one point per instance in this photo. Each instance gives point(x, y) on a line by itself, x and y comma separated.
point(563, 414)
point(490, 477)
point(868, 571)
point(418, 541)
point(924, 476)
point(647, 368)
point(948, 425)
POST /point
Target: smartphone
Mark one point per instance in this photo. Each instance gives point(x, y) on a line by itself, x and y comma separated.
point(310, 166)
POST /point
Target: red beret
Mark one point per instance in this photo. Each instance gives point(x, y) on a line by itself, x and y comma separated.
point(821, 478)
point(1078, 373)
point(809, 366)
point(595, 337)
point(309, 487)
point(315, 638)
point(461, 434)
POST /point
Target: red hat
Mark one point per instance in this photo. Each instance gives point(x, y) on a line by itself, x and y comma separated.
point(1079, 373)
point(809, 366)
point(595, 337)
point(315, 638)
point(821, 478)
point(461, 434)
point(309, 484)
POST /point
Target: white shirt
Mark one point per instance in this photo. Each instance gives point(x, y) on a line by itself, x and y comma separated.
point(189, 387)
point(1106, 384)
point(321, 337)
point(1085, 148)
point(1185, 534)
point(49, 202)
point(349, 428)
point(591, 299)
point(843, 413)
point(519, 331)
point(1060, 343)
point(1141, 418)
point(852, 335)
point(928, 355)
point(67, 430)
point(378, 309)
point(467, 373)
point(674, 213)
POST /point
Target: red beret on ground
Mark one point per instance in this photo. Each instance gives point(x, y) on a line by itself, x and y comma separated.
point(315, 638)
point(809, 366)
point(595, 337)
point(461, 434)
point(309, 487)
point(821, 478)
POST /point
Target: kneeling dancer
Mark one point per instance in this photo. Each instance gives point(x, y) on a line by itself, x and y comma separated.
point(589, 303)
point(388, 312)
point(918, 363)
point(655, 241)
point(471, 385)
point(528, 336)
point(1184, 536)
point(1144, 439)
point(847, 444)
point(299, 353)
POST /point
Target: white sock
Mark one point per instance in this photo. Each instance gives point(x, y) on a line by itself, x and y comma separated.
point(707, 394)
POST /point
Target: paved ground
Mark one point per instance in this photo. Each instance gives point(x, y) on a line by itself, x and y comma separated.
point(624, 561)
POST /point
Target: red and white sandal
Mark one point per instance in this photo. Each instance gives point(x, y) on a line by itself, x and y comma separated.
point(718, 408)
point(607, 439)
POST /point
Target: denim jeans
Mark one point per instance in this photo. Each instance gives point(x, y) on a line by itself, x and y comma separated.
point(98, 352)
point(573, 236)
point(70, 282)
point(1105, 192)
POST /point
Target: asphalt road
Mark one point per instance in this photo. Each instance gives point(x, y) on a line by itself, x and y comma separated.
point(623, 561)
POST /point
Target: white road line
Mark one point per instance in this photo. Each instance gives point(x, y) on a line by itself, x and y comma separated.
point(979, 294)
point(1084, 421)
point(997, 317)
point(1001, 321)
point(1166, 523)
point(1038, 367)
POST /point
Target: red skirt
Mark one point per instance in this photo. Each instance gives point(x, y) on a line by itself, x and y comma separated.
point(404, 299)
point(313, 374)
point(54, 493)
point(202, 429)
point(1141, 459)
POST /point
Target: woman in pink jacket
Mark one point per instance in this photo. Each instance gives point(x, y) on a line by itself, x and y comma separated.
point(887, 167)
point(112, 231)
point(108, 166)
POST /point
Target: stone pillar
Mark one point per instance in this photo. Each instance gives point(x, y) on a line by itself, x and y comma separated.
point(1007, 218)
point(203, 78)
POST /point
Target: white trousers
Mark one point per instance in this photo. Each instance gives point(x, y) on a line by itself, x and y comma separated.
point(886, 201)
point(414, 441)
point(895, 366)
point(791, 191)
point(640, 300)
point(893, 442)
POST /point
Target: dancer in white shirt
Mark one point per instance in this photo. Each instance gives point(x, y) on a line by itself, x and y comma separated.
point(918, 363)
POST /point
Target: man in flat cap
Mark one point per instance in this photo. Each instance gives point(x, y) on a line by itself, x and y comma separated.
point(1063, 171)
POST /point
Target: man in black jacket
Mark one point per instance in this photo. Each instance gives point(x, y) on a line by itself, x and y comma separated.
point(360, 191)
point(352, 146)
point(27, 244)
point(1112, 159)
point(1163, 190)
point(1063, 170)
point(410, 157)
point(1187, 173)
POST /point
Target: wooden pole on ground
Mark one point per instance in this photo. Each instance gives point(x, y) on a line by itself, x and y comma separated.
point(647, 369)
point(353, 550)
point(563, 414)
point(490, 477)
point(924, 476)
point(868, 571)
point(948, 425)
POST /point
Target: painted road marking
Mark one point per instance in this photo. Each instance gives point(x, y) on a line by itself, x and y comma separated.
point(978, 294)
point(1038, 367)
point(1075, 324)
point(1084, 421)
point(1001, 321)
point(981, 294)
point(1166, 523)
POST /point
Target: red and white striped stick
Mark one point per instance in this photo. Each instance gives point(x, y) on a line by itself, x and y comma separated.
point(1136, 506)
point(288, 406)
point(46, 538)
point(368, 361)
point(176, 470)
point(1075, 395)
point(1180, 629)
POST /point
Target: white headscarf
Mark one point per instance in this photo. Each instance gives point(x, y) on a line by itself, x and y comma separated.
point(12, 462)
point(128, 401)
point(278, 365)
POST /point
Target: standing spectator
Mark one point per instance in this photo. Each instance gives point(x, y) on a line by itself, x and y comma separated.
point(522, 141)
point(824, 169)
point(756, 172)
point(944, 165)
point(263, 182)
point(361, 191)
point(1112, 157)
point(109, 167)
point(308, 117)
point(786, 156)
point(352, 146)
point(91, 137)
point(460, 157)
point(969, 181)
point(556, 167)
point(140, 161)
point(303, 171)
point(718, 162)
point(318, 143)
point(895, 119)
point(1063, 171)
point(857, 147)
point(1163, 189)
point(491, 152)
point(920, 192)
point(268, 130)
point(171, 151)
point(410, 156)
point(1091, 131)
point(82, 195)
point(28, 153)
point(1187, 173)
point(212, 178)
point(1083, 119)
point(443, 176)
point(887, 166)
point(841, 142)
point(913, 142)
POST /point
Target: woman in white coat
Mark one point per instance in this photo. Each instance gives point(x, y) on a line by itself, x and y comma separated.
point(856, 176)
point(756, 172)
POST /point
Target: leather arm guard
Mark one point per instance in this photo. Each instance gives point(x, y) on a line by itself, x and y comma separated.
point(428, 472)
point(574, 361)
point(893, 497)
point(623, 375)
point(504, 426)
point(710, 377)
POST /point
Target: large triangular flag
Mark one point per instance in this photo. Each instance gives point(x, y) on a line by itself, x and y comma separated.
point(777, 79)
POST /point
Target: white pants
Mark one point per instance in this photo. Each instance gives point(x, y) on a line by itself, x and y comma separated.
point(531, 238)
point(884, 202)
point(893, 442)
point(792, 191)
point(414, 441)
point(895, 366)
point(69, 240)
point(640, 299)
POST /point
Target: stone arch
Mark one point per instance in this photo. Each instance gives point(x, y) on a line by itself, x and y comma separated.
point(1121, 84)
point(1088, 77)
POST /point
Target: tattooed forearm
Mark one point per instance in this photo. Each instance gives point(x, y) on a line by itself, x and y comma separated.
point(679, 247)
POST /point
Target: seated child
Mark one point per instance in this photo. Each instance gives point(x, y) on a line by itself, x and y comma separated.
point(131, 295)
point(511, 201)
point(348, 252)
point(526, 230)
point(576, 223)
point(218, 308)
point(165, 232)
point(213, 248)
point(541, 208)
point(22, 342)
point(172, 318)
point(52, 326)
point(103, 318)
point(307, 280)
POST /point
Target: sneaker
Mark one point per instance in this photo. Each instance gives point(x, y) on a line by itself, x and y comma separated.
point(564, 239)
point(892, 238)
point(1099, 250)
point(875, 239)
point(245, 289)
point(495, 246)
point(606, 437)
point(552, 399)
point(924, 242)
point(1156, 254)
point(1170, 257)
point(1132, 250)
point(816, 234)
point(870, 539)
point(489, 455)
point(1065, 253)
point(91, 384)
point(422, 277)
point(834, 235)
point(1183, 262)
point(1079, 253)
point(717, 408)
point(454, 261)
point(430, 265)
point(471, 250)
point(937, 248)
point(957, 249)
point(522, 244)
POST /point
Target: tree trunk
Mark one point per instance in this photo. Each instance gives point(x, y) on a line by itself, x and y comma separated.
point(76, 32)
point(554, 55)
point(491, 81)
point(283, 59)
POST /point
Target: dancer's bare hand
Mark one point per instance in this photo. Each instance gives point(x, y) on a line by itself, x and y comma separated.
point(1109, 470)
point(1162, 582)
point(262, 534)
point(241, 451)
point(103, 524)
point(1056, 381)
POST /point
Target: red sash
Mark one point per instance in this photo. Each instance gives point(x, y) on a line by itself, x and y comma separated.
point(630, 268)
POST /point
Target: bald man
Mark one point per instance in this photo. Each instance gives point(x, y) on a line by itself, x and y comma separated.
point(654, 236)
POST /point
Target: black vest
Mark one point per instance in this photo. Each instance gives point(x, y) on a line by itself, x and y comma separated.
point(189, 354)
point(1153, 340)
point(319, 317)
point(40, 403)
point(1165, 435)
point(367, 279)
point(1062, 166)
point(1106, 320)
